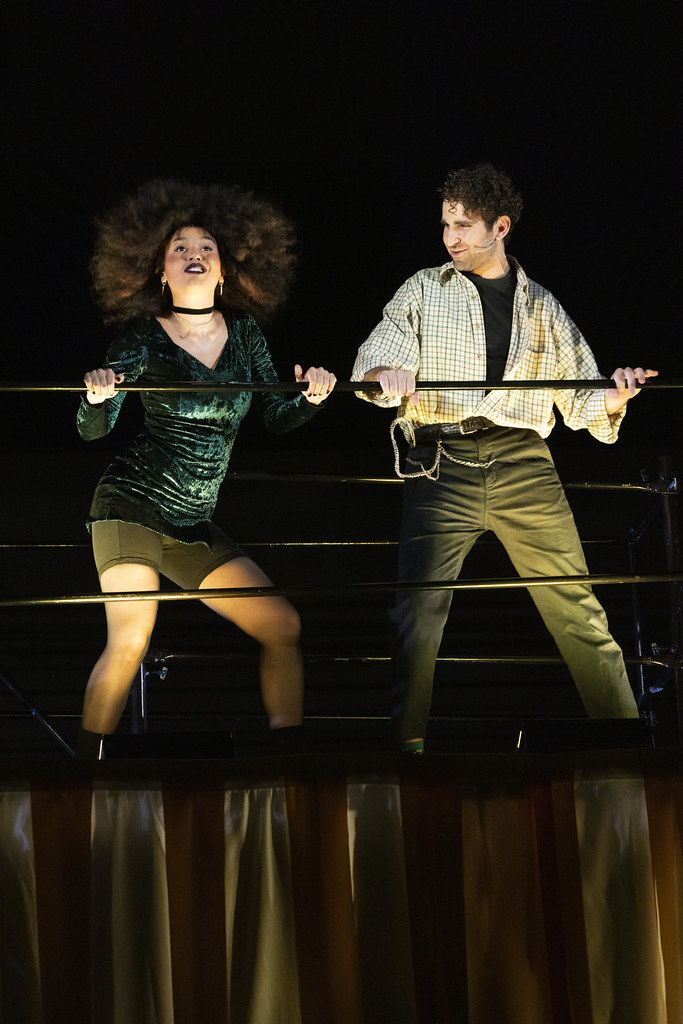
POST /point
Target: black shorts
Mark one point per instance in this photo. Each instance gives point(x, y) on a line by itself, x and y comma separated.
point(117, 543)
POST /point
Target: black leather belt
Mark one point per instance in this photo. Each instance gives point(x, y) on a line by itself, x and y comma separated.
point(438, 431)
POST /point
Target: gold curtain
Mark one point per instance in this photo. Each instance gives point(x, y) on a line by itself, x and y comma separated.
point(477, 889)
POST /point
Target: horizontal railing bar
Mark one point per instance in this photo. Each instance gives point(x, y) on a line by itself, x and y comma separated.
point(40, 546)
point(161, 657)
point(599, 383)
point(291, 544)
point(235, 719)
point(653, 488)
point(345, 478)
point(342, 478)
point(341, 590)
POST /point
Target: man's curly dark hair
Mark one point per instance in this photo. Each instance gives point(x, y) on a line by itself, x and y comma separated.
point(484, 191)
point(255, 241)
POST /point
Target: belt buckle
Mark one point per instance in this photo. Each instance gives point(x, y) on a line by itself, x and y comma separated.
point(471, 425)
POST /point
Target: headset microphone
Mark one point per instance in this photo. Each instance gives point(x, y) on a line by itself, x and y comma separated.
point(485, 247)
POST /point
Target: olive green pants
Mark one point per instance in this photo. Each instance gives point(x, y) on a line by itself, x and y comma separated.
point(520, 499)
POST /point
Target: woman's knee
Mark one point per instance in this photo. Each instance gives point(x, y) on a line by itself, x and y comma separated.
point(130, 646)
point(129, 637)
point(130, 623)
point(282, 625)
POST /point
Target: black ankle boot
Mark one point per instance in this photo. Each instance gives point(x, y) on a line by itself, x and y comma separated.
point(290, 740)
point(89, 745)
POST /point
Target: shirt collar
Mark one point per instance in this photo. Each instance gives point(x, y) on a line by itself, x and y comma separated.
point(447, 271)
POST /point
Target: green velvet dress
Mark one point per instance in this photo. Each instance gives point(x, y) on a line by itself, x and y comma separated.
point(168, 479)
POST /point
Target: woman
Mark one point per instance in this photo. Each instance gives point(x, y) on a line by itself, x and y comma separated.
point(185, 266)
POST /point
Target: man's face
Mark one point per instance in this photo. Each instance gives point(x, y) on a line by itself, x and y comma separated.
point(471, 245)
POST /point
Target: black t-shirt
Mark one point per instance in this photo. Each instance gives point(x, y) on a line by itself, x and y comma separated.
point(497, 300)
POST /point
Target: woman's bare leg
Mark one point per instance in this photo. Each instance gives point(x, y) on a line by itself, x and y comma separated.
point(275, 623)
point(129, 630)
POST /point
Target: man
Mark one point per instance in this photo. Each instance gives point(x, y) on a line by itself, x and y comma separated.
point(479, 461)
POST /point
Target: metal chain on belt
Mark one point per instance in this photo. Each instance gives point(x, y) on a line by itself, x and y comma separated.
point(433, 472)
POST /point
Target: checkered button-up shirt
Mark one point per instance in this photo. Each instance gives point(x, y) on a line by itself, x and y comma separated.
point(434, 326)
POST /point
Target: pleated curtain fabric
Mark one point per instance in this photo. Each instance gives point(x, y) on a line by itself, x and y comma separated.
point(476, 889)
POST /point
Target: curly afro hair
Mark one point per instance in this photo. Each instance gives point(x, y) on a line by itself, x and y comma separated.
point(255, 240)
point(483, 190)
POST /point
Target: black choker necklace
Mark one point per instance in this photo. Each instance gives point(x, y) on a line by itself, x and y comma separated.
point(196, 312)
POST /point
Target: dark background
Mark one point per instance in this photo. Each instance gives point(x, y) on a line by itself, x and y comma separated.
point(349, 117)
